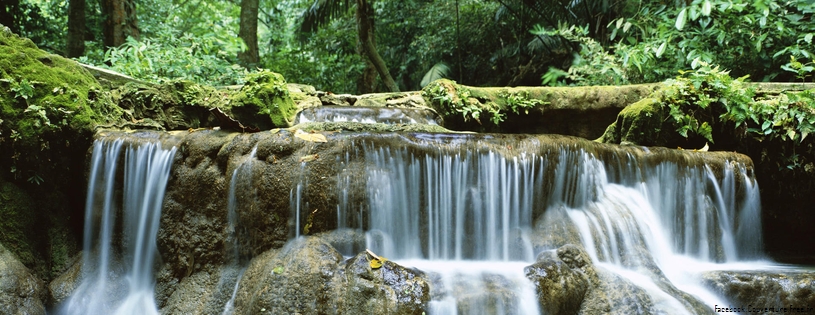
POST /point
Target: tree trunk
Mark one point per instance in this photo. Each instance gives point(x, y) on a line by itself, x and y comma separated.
point(249, 32)
point(365, 27)
point(120, 21)
point(75, 45)
point(367, 81)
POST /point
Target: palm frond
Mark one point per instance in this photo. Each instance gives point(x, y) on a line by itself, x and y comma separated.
point(321, 12)
point(438, 71)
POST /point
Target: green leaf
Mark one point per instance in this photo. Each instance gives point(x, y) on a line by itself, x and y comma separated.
point(661, 49)
point(706, 8)
point(438, 71)
point(681, 19)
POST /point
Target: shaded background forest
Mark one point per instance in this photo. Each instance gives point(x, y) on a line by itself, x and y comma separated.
point(361, 46)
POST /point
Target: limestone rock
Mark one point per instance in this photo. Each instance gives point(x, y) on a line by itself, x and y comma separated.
point(20, 292)
point(560, 283)
point(300, 278)
point(390, 289)
point(757, 290)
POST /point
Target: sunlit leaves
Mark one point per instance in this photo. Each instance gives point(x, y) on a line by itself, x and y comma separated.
point(681, 19)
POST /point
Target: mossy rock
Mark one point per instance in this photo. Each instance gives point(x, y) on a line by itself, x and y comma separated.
point(577, 111)
point(264, 102)
point(172, 105)
point(47, 104)
point(641, 123)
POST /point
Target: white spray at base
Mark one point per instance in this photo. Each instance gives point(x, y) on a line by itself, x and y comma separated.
point(117, 272)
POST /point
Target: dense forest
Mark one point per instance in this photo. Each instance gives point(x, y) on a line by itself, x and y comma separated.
point(364, 46)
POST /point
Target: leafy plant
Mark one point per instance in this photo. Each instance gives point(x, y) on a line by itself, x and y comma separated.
point(802, 70)
point(707, 99)
point(592, 65)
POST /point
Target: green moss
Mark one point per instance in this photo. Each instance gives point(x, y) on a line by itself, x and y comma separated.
point(264, 93)
point(641, 123)
point(46, 101)
point(172, 105)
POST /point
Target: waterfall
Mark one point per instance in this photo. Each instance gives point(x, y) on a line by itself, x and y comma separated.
point(118, 271)
point(467, 211)
point(234, 272)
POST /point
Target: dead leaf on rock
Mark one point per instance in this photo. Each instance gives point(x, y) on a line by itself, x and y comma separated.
point(309, 158)
point(311, 137)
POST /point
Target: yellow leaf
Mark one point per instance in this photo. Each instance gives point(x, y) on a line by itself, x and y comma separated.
point(309, 158)
point(375, 261)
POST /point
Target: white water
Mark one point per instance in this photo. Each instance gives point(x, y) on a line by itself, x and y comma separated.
point(244, 169)
point(366, 115)
point(467, 214)
point(685, 217)
point(114, 281)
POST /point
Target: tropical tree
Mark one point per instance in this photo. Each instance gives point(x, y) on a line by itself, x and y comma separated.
point(75, 43)
point(249, 32)
point(120, 21)
point(321, 12)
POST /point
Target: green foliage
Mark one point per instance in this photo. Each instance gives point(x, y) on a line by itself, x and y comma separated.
point(453, 99)
point(205, 59)
point(803, 71)
point(592, 65)
point(438, 71)
point(753, 38)
point(707, 100)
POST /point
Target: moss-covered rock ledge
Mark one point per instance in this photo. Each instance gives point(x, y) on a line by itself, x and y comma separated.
point(576, 111)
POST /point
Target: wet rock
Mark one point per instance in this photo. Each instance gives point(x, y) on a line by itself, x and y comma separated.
point(346, 241)
point(205, 292)
point(308, 276)
point(302, 278)
point(337, 99)
point(759, 290)
point(560, 282)
point(568, 283)
point(390, 289)
point(20, 292)
point(61, 288)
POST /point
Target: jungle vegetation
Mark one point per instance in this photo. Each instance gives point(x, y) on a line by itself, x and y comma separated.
point(361, 46)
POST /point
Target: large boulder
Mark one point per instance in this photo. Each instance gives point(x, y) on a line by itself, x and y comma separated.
point(764, 292)
point(568, 283)
point(301, 278)
point(308, 276)
point(387, 289)
point(560, 282)
point(20, 291)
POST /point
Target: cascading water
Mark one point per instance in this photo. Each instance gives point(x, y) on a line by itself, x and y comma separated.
point(466, 211)
point(367, 115)
point(118, 276)
point(234, 272)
